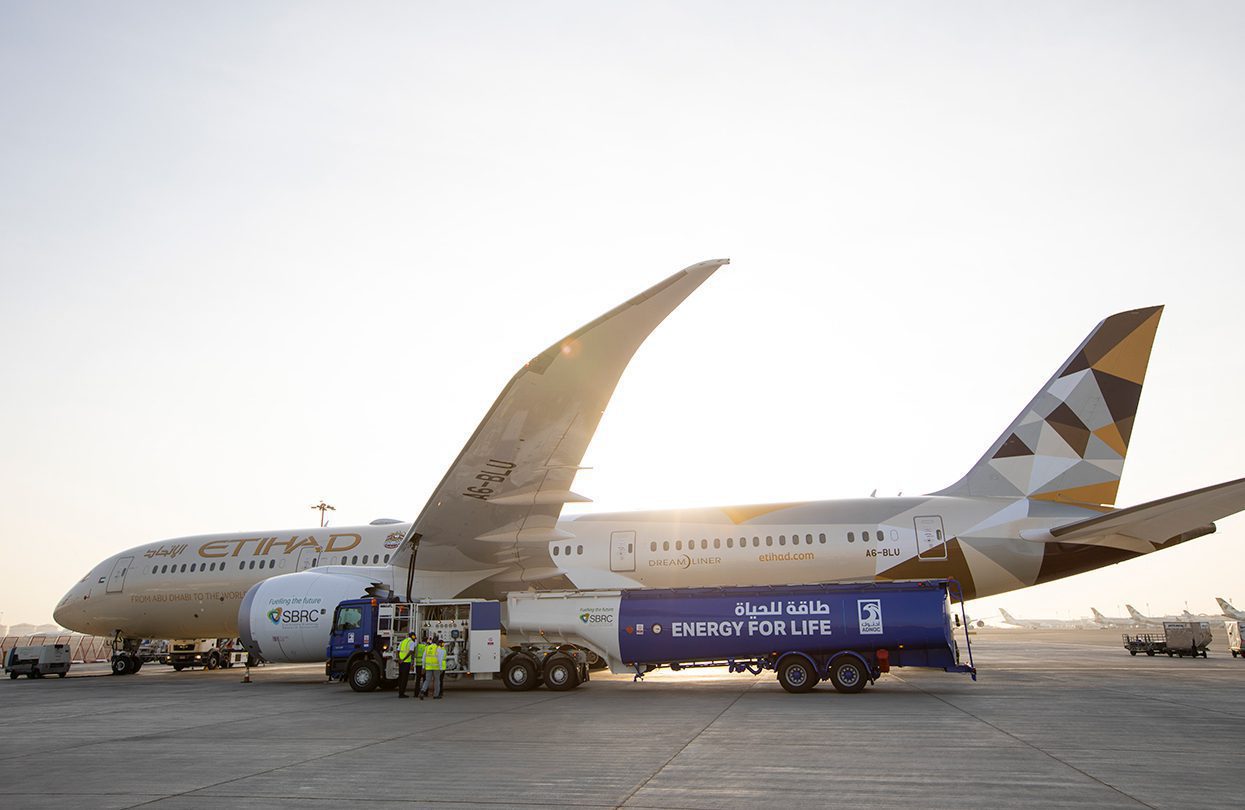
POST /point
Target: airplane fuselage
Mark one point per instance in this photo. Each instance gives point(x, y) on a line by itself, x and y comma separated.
point(192, 587)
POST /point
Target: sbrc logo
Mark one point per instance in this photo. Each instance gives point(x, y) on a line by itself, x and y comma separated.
point(283, 616)
point(597, 616)
point(869, 616)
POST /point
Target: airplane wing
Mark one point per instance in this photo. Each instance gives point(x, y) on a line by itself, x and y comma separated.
point(496, 510)
point(1146, 527)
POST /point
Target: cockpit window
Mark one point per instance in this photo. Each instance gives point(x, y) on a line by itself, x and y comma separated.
point(348, 618)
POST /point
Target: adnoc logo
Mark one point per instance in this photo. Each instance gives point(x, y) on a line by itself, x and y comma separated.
point(274, 615)
point(869, 616)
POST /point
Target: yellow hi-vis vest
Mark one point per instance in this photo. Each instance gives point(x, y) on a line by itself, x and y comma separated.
point(430, 657)
point(404, 649)
point(419, 653)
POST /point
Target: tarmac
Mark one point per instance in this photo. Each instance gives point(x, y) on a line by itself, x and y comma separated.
point(1056, 719)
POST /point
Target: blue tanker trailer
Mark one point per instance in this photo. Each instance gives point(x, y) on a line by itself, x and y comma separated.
point(847, 634)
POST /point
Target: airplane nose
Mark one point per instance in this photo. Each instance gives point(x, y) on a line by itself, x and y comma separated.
point(68, 611)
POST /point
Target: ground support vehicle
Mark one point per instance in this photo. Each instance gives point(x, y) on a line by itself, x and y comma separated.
point(848, 634)
point(1177, 638)
point(1236, 630)
point(37, 661)
point(1187, 638)
point(209, 653)
point(1148, 643)
point(364, 640)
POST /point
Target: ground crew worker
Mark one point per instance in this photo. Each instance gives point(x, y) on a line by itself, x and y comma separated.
point(406, 653)
point(434, 662)
point(419, 664)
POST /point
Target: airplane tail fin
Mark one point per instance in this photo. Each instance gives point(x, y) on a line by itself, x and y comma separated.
point(1007, 617)
point(1133, 612)
point(1097, 616)
point(1069, 442)
point(1228, 609)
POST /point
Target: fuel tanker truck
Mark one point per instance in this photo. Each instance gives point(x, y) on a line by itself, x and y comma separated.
point(847, 634)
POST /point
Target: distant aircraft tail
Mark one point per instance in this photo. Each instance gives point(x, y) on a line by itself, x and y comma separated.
point(1229, 610)
point(1132, 611)
point(1007, 617)
point(1098, 617)
point(1069, 443)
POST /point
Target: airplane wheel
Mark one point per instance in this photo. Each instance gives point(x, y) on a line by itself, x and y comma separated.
point(137, 665)
point(121, 665)
point(797, 675)
point(561, 674)
point(518, 672)
point(848, 675)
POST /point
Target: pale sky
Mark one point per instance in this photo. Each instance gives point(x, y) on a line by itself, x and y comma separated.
point(255, 255)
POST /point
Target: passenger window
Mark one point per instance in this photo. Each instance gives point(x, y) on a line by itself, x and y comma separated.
point(252, 565)
point(717, 542)
point(864, 537)
point(808, 539)
point(756, 541)
point(313, 562)
point(665, 545)
point(155, 568)
point(343, 559)
point(704, 544)
point(730, 542)
point(678, 545)
point(192, 568)
point(579, 549)
point(821, 537)
point(782, 539)
point(557, 550)
point(354, 560)
point(851, 537)
point(880, 537)
point(567, 551)
point(652, 546)
point(183, 568)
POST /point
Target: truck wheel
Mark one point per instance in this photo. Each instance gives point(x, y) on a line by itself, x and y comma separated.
point(60, 674)
point(34, 673)
point(364, 676)
point(797, 675)
point(848, 675)
point(1151, 653)
point(121, 665)
point(1132, 652)
point(178, 667)
point(213, 661)
point(12, 676)
point(561, 673)
point(518, 672)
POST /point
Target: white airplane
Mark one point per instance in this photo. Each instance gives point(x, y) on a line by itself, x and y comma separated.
point(1230, 612)
point(1038, 506)
point(1045, 624)
point(1112, 621)
point(1151, 621)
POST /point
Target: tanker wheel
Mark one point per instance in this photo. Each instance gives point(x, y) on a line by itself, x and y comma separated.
point(797, 675)
point(518, 672)
point(364, 676)
point(848, 675)
point(561, 674)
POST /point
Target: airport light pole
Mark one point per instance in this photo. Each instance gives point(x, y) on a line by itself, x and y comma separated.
point(324, 507)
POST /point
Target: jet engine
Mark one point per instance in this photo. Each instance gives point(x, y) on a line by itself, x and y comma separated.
point(288, 618)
